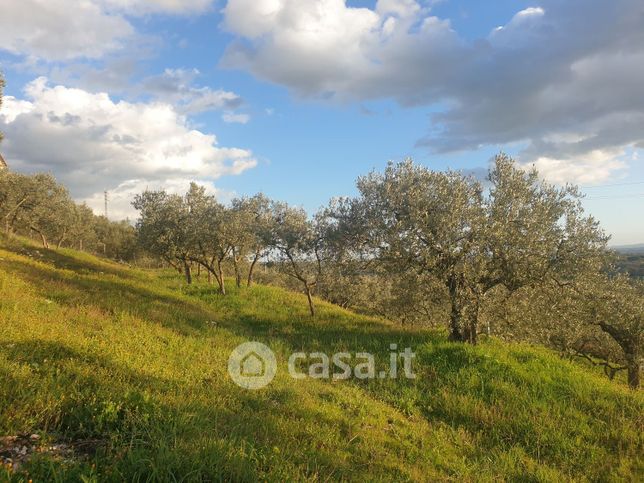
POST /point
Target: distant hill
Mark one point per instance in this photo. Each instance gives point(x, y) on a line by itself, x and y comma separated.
point(637, 249)
point(114, 374)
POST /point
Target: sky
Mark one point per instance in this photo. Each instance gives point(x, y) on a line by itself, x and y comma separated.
point(297, 98)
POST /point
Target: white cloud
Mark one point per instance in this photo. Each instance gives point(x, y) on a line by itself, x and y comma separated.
point(142, 7)
point(176, 86)
point(324, 47)
point(92, 143)
point(564, 77)
point(60, 29)
point(232, 117)
point(590, 169)
point(57, 30)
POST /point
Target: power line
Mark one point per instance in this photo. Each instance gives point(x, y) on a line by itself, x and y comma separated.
point(619, 197)
point(611, 185)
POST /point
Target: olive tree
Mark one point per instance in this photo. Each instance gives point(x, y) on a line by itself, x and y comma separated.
point(163, 229)
point(296, 242)
point(444, 226)
point(211, 233)
point(35, 204)
point(599, 318)
point(254, 215)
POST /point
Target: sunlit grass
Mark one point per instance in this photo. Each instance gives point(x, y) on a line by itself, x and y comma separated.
point(129, 367)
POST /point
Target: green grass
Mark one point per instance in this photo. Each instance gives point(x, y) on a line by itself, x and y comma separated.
point(129, 367)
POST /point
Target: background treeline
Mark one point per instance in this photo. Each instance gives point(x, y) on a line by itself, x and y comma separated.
point(632, 264)
point(37, 206)
point(514, 257)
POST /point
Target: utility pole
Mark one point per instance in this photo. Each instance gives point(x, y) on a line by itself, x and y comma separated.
point(105, 193)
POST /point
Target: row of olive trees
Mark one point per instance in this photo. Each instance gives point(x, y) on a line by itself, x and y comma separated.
point(36, 205)
point(420, 245)
point(197, 229)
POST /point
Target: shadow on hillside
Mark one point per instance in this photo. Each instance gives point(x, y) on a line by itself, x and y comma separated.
point(85, 394)
point(94, 397)
point(61, 260)
point(114, 297)
point(46, 357)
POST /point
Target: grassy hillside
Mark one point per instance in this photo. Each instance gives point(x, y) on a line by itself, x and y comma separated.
point(122, 374)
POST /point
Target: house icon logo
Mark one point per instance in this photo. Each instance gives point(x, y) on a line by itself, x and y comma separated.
point(252, 365)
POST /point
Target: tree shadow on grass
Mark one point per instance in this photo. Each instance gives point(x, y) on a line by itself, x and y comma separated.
point(59, 259)
point(115, 297)
point(75, 397)
point(149, 432)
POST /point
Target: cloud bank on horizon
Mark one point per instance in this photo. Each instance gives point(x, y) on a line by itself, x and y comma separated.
point(560, 79)
point(127, 146)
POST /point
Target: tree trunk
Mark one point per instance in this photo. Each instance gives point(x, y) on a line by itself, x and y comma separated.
point(470, 331)
point(187, 272)
point(455, 334)
point(309, 297)
point(209, 278)
point(60, 241)
point(633, 368)
point(43, 239)
point(236, 260)
point(455, 317)
point(250, 270)
point(220, 279)
point(238, 276)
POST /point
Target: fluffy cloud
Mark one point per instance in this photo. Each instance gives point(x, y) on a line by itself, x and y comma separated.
point(60, 29)
point(92, 143)
point(556, 67)
point(141, 7)
point(235, 118)
point(591, 168)
point(176, 86)
point(65, 29)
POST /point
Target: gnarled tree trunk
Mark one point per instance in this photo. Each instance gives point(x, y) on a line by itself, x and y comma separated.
point(249, 282)
point(220, 278)
point(633, 368)
point(188, 272)
point(309, 297)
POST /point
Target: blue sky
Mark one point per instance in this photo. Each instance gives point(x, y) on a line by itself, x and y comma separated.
point(297, 99)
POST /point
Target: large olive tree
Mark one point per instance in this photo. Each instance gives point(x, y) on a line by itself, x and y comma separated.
point(516, 231)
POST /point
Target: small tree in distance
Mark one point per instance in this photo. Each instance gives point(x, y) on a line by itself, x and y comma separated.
point(296, 241)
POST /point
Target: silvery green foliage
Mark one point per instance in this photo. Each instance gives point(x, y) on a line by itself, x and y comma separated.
point(162, 227)
point(253, 217)
point(517, 231)
point(296, 246)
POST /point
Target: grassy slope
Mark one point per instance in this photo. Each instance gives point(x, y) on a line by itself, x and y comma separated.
point(135, 363)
